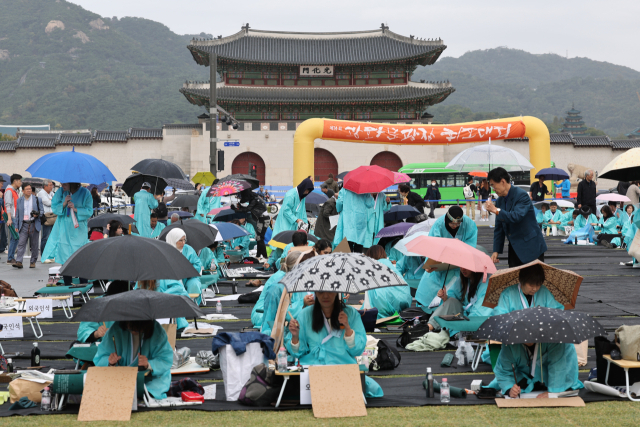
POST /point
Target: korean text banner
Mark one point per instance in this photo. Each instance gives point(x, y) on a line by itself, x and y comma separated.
point(421, 134)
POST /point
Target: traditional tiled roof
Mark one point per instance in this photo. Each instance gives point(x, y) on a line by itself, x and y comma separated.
point(625, 144)
point(7, 145)
point(634, 133)
point(44, 140)
point(592, 141)
point(344, 48)
point(198, 93)
point(110, 136)
point(74, 139)
point(143, 133)
point(183, 125)
point(561, 138)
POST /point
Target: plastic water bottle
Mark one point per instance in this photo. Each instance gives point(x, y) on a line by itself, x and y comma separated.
point(416, 321)
point(45, 404)
point(282, 360)
point(3, 301)
point(219, 307)
point(430, 383)
point(445, 393)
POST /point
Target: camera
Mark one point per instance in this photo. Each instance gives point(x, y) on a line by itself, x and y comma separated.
point(34, 214)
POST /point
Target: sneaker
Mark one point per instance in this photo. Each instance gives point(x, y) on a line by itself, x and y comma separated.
point(49, 261)
point(32, 265)
point(11, 261)
point(19, 264)
point(629, 264)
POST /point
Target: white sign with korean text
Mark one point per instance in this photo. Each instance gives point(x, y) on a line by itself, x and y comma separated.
point(43, 305)
point(11, 327)
point(316, 70)
point(305, 388)
point(59, 303)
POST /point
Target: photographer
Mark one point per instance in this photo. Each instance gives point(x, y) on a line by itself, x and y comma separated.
point(28, 212)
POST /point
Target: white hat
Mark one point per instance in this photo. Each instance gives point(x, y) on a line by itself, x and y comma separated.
point(146, 184)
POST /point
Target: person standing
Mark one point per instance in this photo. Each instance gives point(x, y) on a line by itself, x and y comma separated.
point(144, 203)
point(331, 184)
point(375, 218)
point(323, 224)
point(96, 201)
point(46, 196)
point(633, 193)
point(469, 192)
point(3, 231)
point(353, 222)
point(10, 199)
point(538, 190)
point(587, 192)
point(161, 210)
point(294, 209)
point(413, 199)
point(255, 206)
point(516, 220)
point(483, 195)
point(565, 187)
point(206, 204)
point(28, 213)
point(433, 197)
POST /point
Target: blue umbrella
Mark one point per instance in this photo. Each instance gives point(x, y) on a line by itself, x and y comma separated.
point(100, 187)
point(229, 231)
point(316, 198)
point(400, 212)
point(399, 229)
point(183, 214)
point(553, 174)
point(226, 215)
point(71, 166)
point(6, 178)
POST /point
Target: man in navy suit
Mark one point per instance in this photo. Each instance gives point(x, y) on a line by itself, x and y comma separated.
point(515, 219)
point(28, 212)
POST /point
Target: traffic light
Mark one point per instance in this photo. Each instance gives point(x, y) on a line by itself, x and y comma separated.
point(220, 160)
point(253, 170)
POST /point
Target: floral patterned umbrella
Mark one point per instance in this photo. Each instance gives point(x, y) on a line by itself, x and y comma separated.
point(340, 272)
point(399, 178)
point(563, 284)
point(228, 188)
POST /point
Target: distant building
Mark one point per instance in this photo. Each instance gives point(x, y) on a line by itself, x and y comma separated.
point(14, 129)
point(635, 134)
point(573, 123)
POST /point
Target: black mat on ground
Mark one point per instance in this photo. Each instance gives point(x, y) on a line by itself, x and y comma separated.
point(48, 350)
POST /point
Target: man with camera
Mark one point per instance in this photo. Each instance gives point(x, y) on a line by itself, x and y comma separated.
point(28, 212)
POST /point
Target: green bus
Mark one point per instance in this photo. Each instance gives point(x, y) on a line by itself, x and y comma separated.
point(450, 182)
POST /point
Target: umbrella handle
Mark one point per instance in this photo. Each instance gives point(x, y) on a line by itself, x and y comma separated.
point(444, 284)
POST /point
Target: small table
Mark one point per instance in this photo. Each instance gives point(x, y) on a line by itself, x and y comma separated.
point(30, 315)
point(63, 300)
point(68, 290)
point(624, 364)
point(471, 325)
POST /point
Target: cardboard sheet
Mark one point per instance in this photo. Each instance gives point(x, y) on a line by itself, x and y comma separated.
point(336, 391)
point(277, 333)
point(343, 247)
point(569, 402)
point(108, 394)
point(170, 329)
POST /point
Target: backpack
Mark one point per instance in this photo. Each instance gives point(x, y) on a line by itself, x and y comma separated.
point(249, 298)
point(7, 290)
point(468, 193)
point(412, 333)
point(388, 358)
point(262, 388)
point(161, 210)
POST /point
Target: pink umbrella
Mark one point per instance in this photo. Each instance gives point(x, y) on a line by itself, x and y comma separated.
point(215, 211)
point(613, 197)
point(399, 178)
point(453, 252)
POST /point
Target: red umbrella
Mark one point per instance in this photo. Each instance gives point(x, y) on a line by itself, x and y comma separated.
point(452, 252)
point(479, 174)
point(368, 179)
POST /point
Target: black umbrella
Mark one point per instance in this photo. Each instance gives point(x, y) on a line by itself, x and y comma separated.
point(134, 182)
point(286, 236)
point(540, 325)
point(185, 201)
point(227, 215)
point(255, 183)
point(130, 258)
point(316, 198)
point(160, 168)
point(181, 214)
point(400, 212)
point(199, 234)
point(139, 304)
point(101, 221)
point(180, 184)
point(342, 175)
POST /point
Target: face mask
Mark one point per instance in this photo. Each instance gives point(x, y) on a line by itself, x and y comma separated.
point(244, 205)
point(433, 183)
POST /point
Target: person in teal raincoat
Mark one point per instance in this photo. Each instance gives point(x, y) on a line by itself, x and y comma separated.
point(177, 238)
point(273, 293)
point(293, 209)
point(375, 218)
point(257, 313)
point(543, 215)
point(65, 239)
point(559, 371)
point(353, 223)
point(467, 298)
point(209, 259)
point(555, 217)
point(453, 225)
point(143, 344)
point(585, 217)
point(89, 332)
point(299, 239)
point(392, 299)
point(243, 243)
point(167, 286)
point(156, 226)
point(206, 204)
point(410, 267)
point(316, 337)
point(392, 253)
point(626, 222)
point(145, 202)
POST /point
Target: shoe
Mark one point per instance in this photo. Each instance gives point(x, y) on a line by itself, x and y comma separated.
point(49, 261)
point(11, 261)
point(636, 265)
point(629, 264)
point(606, 244)
point(32, 265)
point(17, 265)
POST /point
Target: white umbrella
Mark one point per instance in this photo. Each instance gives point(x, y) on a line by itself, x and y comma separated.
point(560, 203)
point(423, 226)
point(486, 157)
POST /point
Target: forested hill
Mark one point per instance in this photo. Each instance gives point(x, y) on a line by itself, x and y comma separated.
point(514, 82)
point(65, 66)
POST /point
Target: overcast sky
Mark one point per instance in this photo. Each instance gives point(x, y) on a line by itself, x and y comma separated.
point(600, 30)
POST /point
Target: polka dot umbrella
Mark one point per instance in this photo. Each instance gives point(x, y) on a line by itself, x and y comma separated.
point(539, 325)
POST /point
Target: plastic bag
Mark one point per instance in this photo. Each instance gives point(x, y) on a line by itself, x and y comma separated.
point(464, 353)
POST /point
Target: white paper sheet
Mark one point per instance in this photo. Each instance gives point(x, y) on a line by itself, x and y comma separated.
point(333, 221)
point(210, 392)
